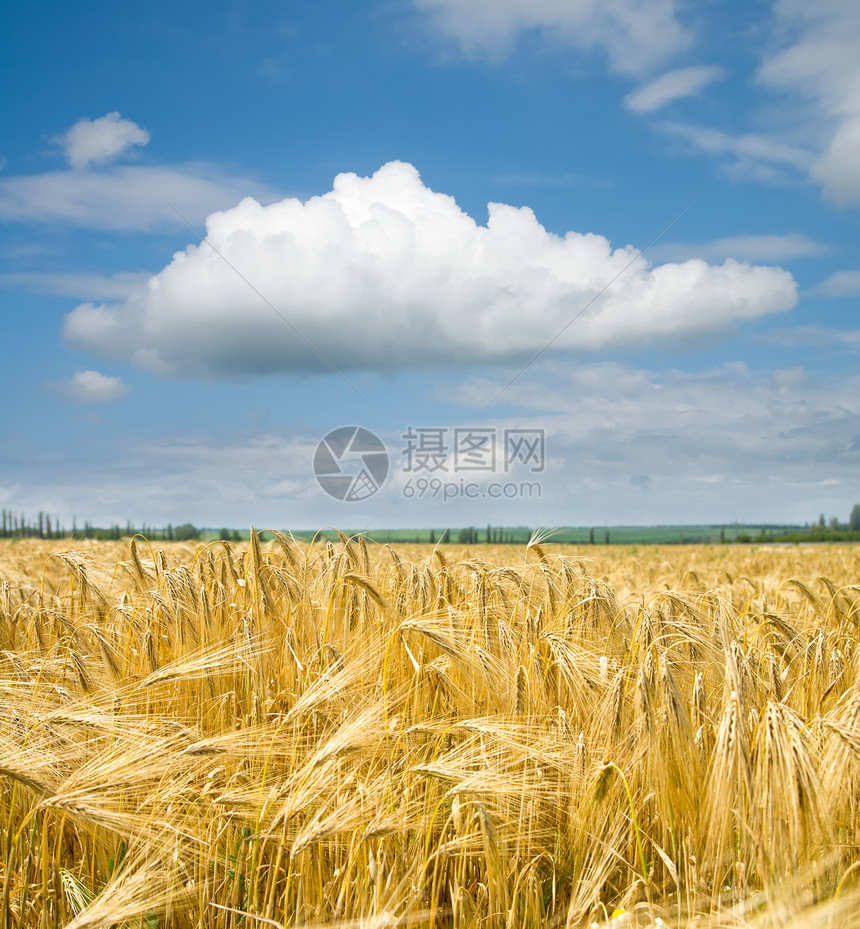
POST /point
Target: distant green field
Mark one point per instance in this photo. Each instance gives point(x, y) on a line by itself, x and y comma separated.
point(580, 535)
point(482, 535)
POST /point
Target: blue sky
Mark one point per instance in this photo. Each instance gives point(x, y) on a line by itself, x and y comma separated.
point(431, 214)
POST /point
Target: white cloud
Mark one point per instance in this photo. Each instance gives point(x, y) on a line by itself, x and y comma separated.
point(773, 437)
point(79, 284)
point(283, 488)
point(810, 126)
point(840, 284)
point(10, 493)
point(752, 155)
point(816, 337)
point(208, 480)
point(674, 85)
point(810, 132)
point(96, 141)
point(720, 445)
point(789, 377)
point(837, 170)
point(93, 387)
point(636, 35)
point(743, 247)
point(128, 197)
point(383, 273)
point(819, 67)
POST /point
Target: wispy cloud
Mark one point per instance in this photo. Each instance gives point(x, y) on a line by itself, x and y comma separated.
point(819, 68)
point(80, 284)
point(636, 37)
point(812, 130)
point(125, 197)
point(753, 156)
point(722, 444)
point(782, 247)
point(674, 85)
point(840, 284)
point(97, 141)
point(91, 387)
point(762, 433)
point(816, 337)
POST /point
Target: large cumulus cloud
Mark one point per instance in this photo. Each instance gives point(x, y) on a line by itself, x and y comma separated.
point(383, 273)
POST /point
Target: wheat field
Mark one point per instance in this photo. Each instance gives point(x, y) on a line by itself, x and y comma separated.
point(349, 735)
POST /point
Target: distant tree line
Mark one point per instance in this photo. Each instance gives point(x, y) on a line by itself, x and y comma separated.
point(821, 531)
point(20, 526)
point(229, 535)
point(494, 535)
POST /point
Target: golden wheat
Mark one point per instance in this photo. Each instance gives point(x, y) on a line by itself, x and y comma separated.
point(292, 735)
